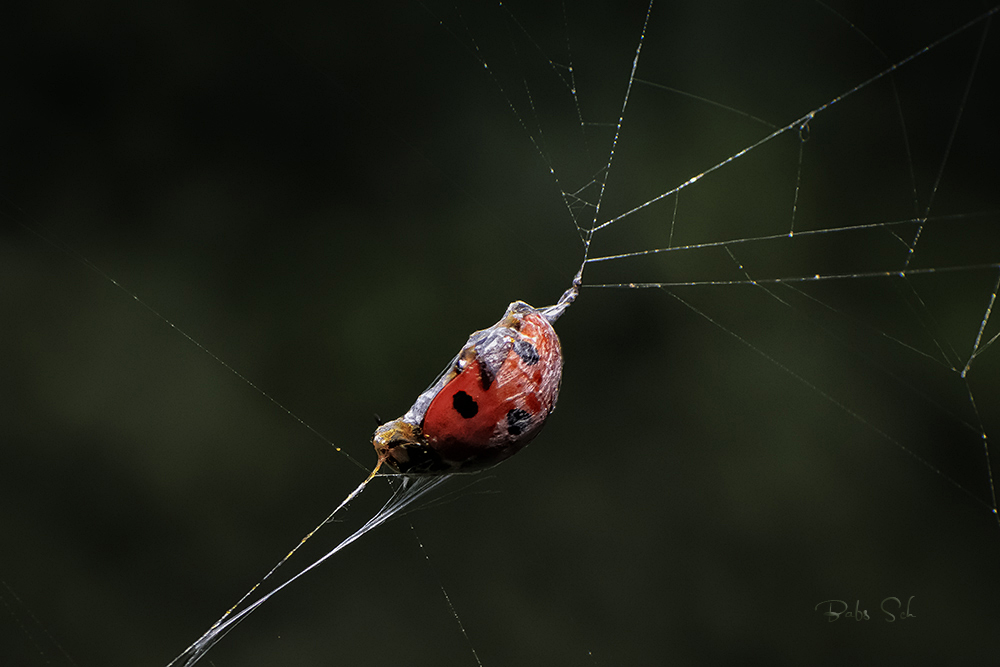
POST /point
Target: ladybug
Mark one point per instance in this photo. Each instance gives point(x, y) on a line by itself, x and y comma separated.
point(491, 400)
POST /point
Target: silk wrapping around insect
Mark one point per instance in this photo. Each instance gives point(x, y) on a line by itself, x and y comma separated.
point(491, 401)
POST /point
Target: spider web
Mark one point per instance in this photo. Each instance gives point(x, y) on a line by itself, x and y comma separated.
point(332, 202)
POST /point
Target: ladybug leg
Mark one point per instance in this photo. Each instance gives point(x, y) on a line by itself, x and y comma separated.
point(402, 446)
point(416, 458)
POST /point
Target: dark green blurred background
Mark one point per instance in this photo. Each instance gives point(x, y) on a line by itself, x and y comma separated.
point(331, 200)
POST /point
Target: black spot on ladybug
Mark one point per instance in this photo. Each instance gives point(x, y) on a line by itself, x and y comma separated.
point(486, 376)
point(465, 405)
point(517, 421)
point(527, 352)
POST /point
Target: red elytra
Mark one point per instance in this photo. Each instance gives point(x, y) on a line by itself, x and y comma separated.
point(491, 401)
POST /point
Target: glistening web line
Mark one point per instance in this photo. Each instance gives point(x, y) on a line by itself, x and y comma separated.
point(404, 496)
point(854, 414)
point(802, 279)
point(62, 246)
point(805, 118)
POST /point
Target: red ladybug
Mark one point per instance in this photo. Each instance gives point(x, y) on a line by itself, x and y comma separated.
point(489, 402)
